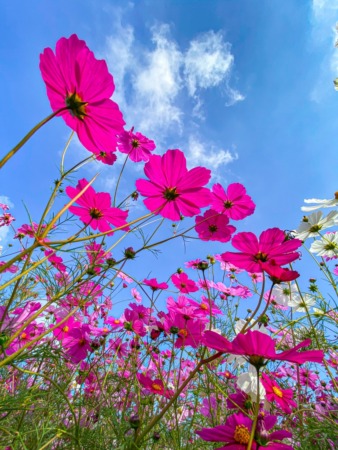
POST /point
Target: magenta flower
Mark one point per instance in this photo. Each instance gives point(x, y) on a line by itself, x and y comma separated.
point(183, 283)
point(272, 247)
point(172, 189)
point(279, 274)
point(213, 226)
point(234, 202)
point(6, 219)
point(76, 79)
point(258, 347)
point(235, 433)
point(77, 343)
point(237, 429)
point(63, 330)
point(154, 284)
point(137, 146)
point(95, 209)
point(189, 332)
point(155, 386)
point(283, 397)
point(55, 260)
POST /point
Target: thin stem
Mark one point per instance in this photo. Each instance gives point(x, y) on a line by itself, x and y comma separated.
point(14, 150)
point(254, 424)
point(119, 179)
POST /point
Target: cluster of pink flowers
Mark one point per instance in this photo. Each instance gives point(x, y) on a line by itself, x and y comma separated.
point(163, 350)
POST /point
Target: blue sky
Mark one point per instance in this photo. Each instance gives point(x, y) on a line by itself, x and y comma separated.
point(243, 87)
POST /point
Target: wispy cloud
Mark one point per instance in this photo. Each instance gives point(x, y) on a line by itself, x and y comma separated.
point(154, 81)
point(207, 154)
point(324, 17)
point(208, 63)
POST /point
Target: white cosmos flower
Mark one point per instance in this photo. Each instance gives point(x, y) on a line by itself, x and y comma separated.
point(302, 303)
point(327, 246)
point(312, 224)
point(320, 203)
point(283, 294)
point(241, 322)
point(247, 382)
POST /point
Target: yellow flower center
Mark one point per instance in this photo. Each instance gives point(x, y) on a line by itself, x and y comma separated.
point(156, 387)
point(183, 333)
point(76, 105)
point(242, 434)
point(227, 204)
point(204, 306)
point(65, 329)
point(277, 392)
point(135, 143)
point(95, 213)
point(23, 335)
point(170, 194)
point(261, 257)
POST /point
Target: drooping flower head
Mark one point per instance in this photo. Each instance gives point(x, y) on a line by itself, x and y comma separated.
point(76, 79)
point(95, 209)
point(137, 146)
point(271, 247)
point(172, 189)
point(258, 347)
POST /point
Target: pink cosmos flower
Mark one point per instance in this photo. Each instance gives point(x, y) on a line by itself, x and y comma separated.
point(273, 392)
point(213, 226)
point(183, 283)
point(77, 343)
point(27, 335)
point(55, 260)
point(96, 256)
point(237, 429)
point(258, 347)
point(154, 284)
point(6, 219)
point(279, 274)
point(63, 330)
point(28, 230)
point(184, 307)
point(188, 331)
point(172, 189)
point(155, 386)
point(12, 269)
point(272, 247)
point(95, 208)
point(234, 202)
point(235, 433)
point(137, 146)
point(76, 79)
point(137, 296)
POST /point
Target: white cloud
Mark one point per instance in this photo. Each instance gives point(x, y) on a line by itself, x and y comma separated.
point(324, 33)
point(120, 60)
point(201, 153)
point(158, 83)
point(6, 201)
point(208, 62)
point(153, 82)
point(4, 230)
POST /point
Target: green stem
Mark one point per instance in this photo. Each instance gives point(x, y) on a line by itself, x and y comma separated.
point(9, 155)
point(254, 425)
